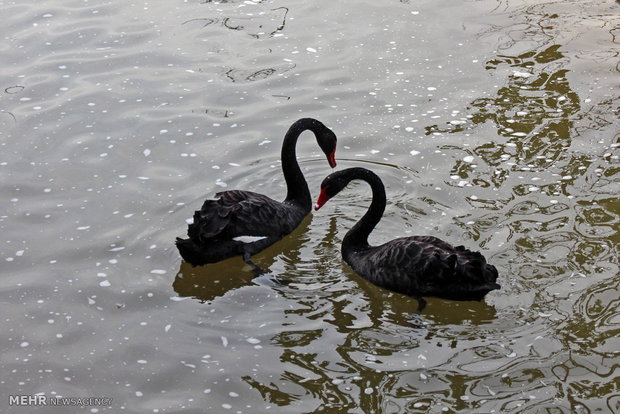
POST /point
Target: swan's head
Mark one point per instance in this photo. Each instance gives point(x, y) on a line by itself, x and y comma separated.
point(327, 141)
point(323, 197)
point(336, 181)
point(331, 185)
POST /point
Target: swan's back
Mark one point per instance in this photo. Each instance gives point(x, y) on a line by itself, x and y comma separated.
point(425, 266)
point(243, 213)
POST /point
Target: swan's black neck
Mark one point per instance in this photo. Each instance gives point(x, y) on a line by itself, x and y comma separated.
point(357, 237)
point(297, 187)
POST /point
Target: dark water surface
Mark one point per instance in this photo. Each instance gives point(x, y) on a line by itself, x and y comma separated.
point(493, 124)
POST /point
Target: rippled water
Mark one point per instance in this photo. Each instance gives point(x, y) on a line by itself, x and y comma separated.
point(493, 124)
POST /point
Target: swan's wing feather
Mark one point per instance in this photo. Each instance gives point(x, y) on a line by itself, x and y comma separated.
point(426, 265)
point(257, 216)
point(215, 215)
point(238, 213)
point(232, 197)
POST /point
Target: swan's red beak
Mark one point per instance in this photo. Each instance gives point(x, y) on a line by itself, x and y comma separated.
point(322, 199)
point(331, 159)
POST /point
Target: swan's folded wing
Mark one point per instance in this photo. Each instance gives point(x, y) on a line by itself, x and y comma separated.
point(237, 213)
point(209, 222)
point(456, 272)
point(415, 265)
point(262, 216)
point(232, 197)
point(473, 264)
point(389, 266)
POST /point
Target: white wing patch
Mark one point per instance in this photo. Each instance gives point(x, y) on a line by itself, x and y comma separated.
point(249, 239)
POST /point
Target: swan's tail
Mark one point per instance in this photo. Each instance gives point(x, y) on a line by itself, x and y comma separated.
point(190, 252)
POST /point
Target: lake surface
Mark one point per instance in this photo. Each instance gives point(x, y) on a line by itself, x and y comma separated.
point(493, 124)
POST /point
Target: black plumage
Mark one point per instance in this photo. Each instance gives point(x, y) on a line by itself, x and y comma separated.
point(416, 266)
point(242, 223)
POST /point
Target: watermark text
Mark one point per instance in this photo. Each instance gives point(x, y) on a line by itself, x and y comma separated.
point(40, 400)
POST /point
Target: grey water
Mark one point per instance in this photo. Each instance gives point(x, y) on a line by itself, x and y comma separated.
point(493, 124)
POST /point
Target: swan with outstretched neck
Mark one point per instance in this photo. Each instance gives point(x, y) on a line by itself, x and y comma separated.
point(416, 266)
point(242, 223)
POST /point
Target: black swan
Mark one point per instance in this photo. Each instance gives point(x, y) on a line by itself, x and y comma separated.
point(416, 266)
point(243, 222)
